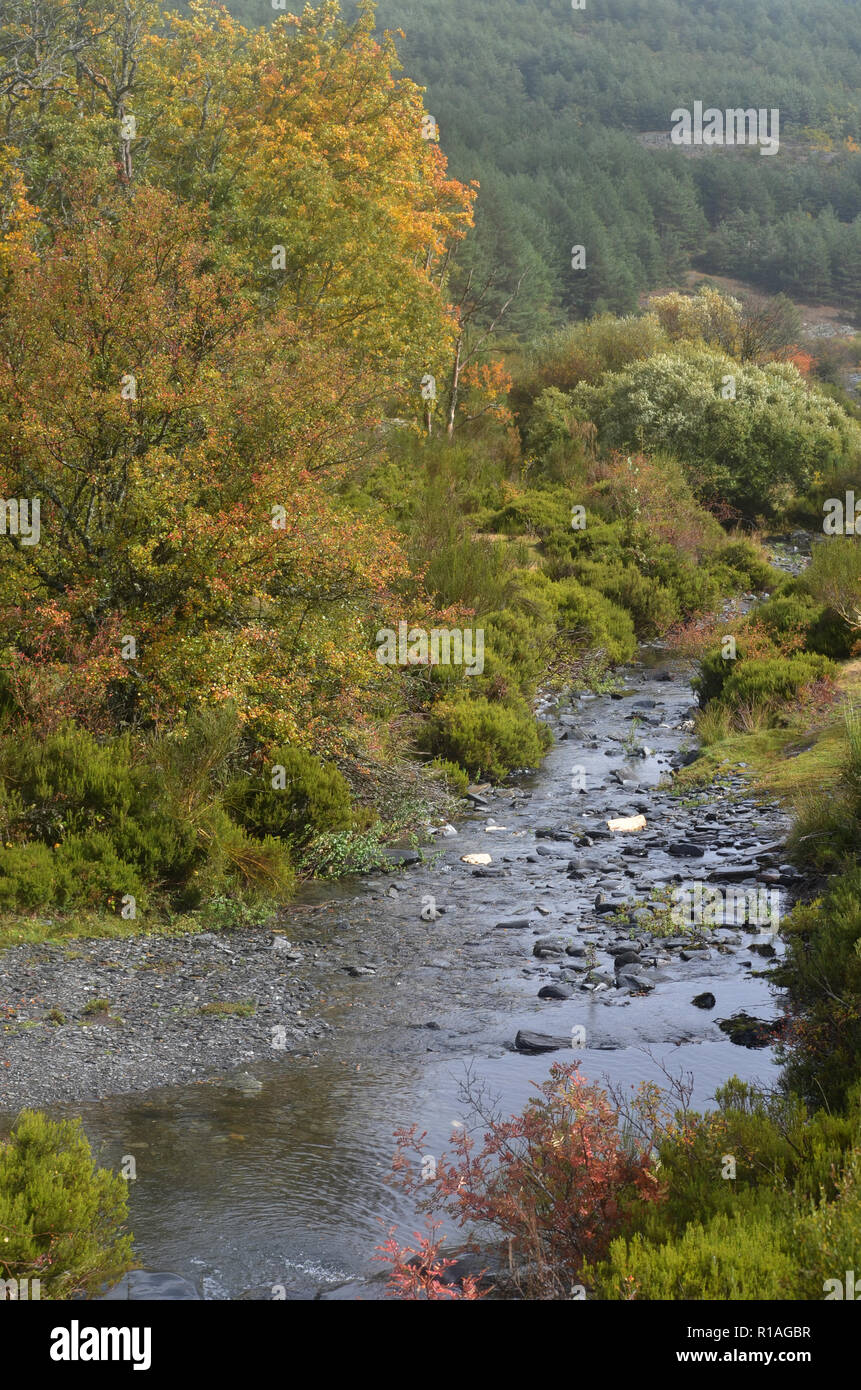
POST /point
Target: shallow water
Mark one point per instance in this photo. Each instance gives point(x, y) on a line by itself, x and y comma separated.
point(284, 1188)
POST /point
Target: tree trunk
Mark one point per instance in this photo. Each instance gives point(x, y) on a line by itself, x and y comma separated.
point(455, 386)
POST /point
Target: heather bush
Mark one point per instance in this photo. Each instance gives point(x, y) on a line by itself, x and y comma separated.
point(486, 739)
point(61, 1216)
point(833, 577)
point(821, 973)
point(652, 606)
point(818, 627)
point(606, 626)
point(754, 1236)
point(774, 681)
point(768, 683)
point(736, 1255)
point(84, 822)
point(314, 798)
point(546, 511)
point(747, 560)
point(826, 1239)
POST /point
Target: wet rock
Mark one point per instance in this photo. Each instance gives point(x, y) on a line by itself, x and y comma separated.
point(246, 1083)
point(706, 1000)
point(554, 992)
point(514, 923)
point(733, 873)
point(534, 1043)
point(152, 1286)
point(551, 946)
point(400, 858)
point(746, 1031)
point(638, 984)
point(684, 759)
point(625, 958)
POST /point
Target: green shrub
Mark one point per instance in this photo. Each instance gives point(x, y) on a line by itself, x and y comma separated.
point(759, 1235)
point(120, 816)
point(544, 511)
point(749, 562)
point(774, 681)
point(822, 973)
point(90, 873)
point(823, 631)
point(340, 852)
point(652, 606)
point(833, 577)
point(826, 1240)
point(27, 876)
point(68, 783)
point(305, 798)
point(740, 1255)
point(606, 625)
point(830, 635)
point(516, 645)
point(454, 777)
point(62, 1217)
point(485, 739)
point(552, 423)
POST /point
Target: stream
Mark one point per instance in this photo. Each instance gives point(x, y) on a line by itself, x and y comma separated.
point(270, 1180)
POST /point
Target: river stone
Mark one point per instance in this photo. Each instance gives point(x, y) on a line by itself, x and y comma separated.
point(746, 1031)
point(152, 1286)
point(516, 922)
point(684, 849)
point(638, 984)
point(554, 992)
point(706, 1000)
point(534, 1043)
point(402, 857)
point(246, 1083)
point(625, 958)
point(551, 946)
point(733, 873)
point(685, 759)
